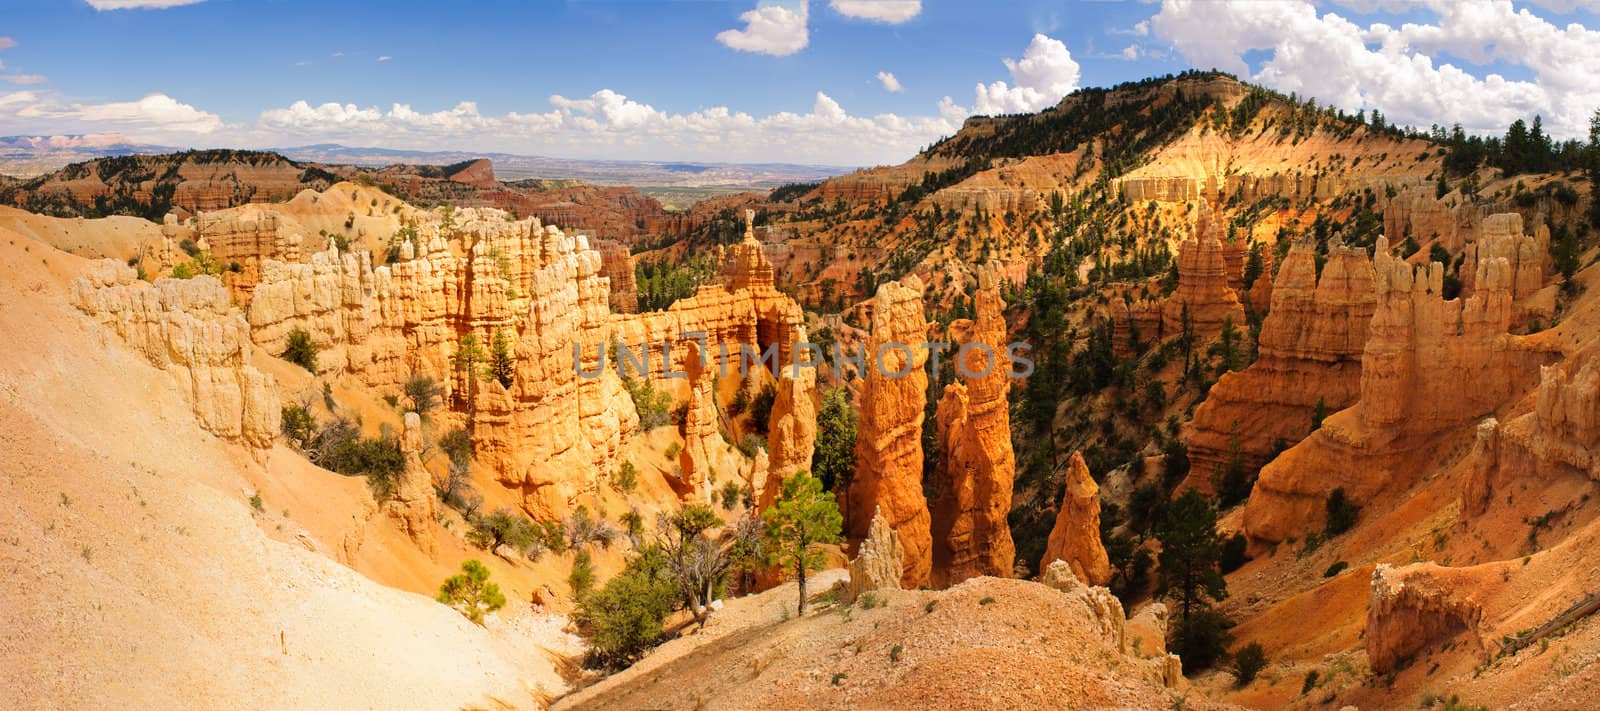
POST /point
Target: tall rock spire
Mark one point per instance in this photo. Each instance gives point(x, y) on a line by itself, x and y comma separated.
point(889, 441)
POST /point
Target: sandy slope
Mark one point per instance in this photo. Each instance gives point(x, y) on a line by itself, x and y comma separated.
point(117, 237)
point(136, 575)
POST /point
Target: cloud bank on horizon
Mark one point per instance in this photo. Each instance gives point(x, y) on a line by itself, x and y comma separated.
point(1446, 62)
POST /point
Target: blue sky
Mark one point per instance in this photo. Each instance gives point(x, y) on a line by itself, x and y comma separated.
point(665, 80)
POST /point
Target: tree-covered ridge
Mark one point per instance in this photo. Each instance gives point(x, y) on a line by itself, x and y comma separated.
point(1126, 120)
point(146, 185)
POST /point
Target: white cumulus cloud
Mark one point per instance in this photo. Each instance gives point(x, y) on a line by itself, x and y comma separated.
point(158, 109)
point(892, 12)
point(773, 29)
point(1568, 6)
point(1045, 73)
point(23, 78)
point(607, 124)
point(1394, 69)
point(890, 83)
point(156, 117)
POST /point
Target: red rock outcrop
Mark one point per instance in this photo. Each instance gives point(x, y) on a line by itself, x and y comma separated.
point(971, 535)
point(554, 431)
point(478, 173)
point(188, 182)
point(549, 429)
point(610, 212)
point(188, 328)
point(745, 310)
point(1309, 352)
point(1107, 613)
point(1075, 538)
point(1203, 292)
point(1418, 346)
point(1502, 238)
point(1147, 631)
point(239, 240)
point(1414, 607)
point(1141, 317)
point(745, 326)
point(889, 439)
point(1418, 213)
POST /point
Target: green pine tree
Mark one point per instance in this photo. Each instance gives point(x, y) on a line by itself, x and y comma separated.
point(803, 519)
point(468, 360)
point(471, 593)
point(502, 361)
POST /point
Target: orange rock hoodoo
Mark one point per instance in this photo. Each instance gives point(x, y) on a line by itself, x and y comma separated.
point(1075, 538)
point(792, 432)
point(1309, 352)
point(413, 503)
point(699, 428)
point(1502, 238)
point(1203, 285)
point(888, 453)
point(971, 536)
point(616, 264)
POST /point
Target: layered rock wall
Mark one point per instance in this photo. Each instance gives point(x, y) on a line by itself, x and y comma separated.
point(189, 328)
point(1558, 438)
point(616, 264)
point(1309, 352)
point(557, 424)
point(533, 285)
point(1418, 347)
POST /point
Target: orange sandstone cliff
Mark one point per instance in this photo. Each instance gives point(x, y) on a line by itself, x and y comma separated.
point(1418, 347)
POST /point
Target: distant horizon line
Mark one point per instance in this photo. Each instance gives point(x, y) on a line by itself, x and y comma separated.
point(125, 142)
